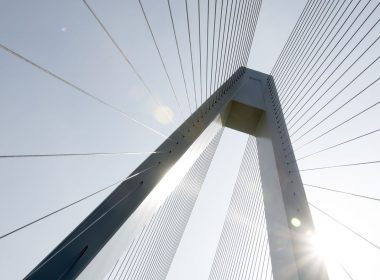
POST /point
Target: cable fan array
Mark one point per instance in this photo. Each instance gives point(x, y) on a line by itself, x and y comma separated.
point(219, 37)
point(327, 77)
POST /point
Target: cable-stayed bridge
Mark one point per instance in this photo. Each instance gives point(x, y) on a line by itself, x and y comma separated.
point(151, 88)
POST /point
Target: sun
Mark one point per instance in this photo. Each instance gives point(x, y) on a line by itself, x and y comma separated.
point(319, 247)
point(332, 246)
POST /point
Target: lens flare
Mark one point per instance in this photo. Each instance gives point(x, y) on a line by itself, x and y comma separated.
point(163, 114)
point(295, 222)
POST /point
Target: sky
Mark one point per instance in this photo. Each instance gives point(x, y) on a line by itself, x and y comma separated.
point(40, 115)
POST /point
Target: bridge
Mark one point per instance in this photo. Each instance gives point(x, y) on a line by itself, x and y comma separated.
point(139, 143)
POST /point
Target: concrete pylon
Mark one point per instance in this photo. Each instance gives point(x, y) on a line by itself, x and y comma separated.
point(245, 102)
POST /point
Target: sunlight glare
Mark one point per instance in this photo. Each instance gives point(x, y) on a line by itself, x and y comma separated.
point(318, 246)
point(175, 174)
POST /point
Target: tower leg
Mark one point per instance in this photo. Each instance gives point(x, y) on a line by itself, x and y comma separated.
point(289, 223)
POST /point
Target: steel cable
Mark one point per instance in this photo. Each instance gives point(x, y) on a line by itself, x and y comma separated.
point(72, 203)
point(342, 192)
point(179, 55)
point(75, 154)
point(124, 55)
point(331, 51)
point(339, 144)
point(327, 90)
point(339, 125)
point(335, 96)
point(80, 90)
point(162, 60)
point(289, 41)
point(343, 225)
point(347, 56)
point(304, 55)
point(338, 109)
point(191, 55)
point(340, 165)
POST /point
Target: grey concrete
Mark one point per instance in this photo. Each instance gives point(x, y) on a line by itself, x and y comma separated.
point(288, 217)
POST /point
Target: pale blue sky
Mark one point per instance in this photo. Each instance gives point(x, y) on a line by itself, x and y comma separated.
point(39, 114)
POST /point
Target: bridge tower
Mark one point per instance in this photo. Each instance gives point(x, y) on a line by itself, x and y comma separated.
point(247, 102)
